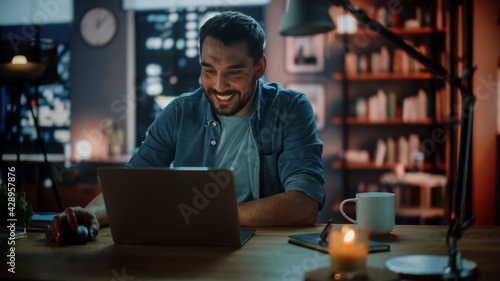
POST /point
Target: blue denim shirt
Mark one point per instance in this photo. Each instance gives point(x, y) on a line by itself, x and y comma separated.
point(283, 128)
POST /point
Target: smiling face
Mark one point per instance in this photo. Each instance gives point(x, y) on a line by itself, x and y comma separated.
point(229, 76)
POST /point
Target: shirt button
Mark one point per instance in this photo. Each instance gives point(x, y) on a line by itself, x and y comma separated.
point(214, 124)
point(213, 142)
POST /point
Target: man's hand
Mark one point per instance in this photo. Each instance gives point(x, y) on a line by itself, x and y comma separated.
point(73, 217)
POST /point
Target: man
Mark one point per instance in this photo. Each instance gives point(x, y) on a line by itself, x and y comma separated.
point(265, 133)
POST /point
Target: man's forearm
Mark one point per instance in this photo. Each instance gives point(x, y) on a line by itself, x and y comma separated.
point(287, 208)
point(97, 207)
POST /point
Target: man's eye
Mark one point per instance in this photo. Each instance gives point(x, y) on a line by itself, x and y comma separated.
point(209, 70)
point(234, 72)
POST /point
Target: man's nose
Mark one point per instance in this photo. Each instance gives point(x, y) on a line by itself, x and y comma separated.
point(221, 83)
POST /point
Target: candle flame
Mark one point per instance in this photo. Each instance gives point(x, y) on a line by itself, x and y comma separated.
point(349, 236)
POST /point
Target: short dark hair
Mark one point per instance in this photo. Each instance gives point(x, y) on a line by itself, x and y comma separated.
point(231, 27)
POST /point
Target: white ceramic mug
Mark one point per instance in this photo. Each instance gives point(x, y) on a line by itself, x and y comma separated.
point(375, 211)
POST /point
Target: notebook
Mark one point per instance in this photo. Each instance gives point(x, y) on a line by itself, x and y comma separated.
point(172, 206)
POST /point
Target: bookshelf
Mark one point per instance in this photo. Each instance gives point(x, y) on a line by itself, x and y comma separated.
point(375, 70)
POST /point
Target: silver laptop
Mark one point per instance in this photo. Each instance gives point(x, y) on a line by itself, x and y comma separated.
point(174, 206)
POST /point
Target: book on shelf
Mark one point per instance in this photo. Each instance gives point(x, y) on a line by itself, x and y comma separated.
point(373, 109)
point(439, 106)
point(363, 63)
point(361, 108)
point(382, 105)
point(415, 107)
point(380, 61)
point(380, 153)
point(403, 151)
point(421, 105)
point(439, 14)
point(313, 241)
point(385, 60)
point(391, 151)
point(351, 63)
point(375, 62)
point(442, 104)
point(391, 105)
point(405, 60)
point(377, 106)
point(357, 156)
point(413, 147)
point(397, 61)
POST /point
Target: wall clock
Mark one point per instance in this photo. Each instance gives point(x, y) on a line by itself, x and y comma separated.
point(98, 26)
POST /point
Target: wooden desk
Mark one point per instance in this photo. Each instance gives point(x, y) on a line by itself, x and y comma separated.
point(267, 256)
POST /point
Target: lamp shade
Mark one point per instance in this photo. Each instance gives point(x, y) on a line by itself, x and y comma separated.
point(27, 71)
point(305, 17)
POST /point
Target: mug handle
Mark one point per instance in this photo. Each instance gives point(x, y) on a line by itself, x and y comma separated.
point(342, 209)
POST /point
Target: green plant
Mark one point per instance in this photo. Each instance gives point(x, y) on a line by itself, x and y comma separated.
point(22, 211)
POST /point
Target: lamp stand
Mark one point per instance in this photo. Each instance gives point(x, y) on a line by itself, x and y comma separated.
point(16, 103)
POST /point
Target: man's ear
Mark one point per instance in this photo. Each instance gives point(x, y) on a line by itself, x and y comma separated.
point(261, 67)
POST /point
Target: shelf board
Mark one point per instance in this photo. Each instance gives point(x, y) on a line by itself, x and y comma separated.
point(372, 166)
point(427, 30)
point(384, 76)
point(390, 121)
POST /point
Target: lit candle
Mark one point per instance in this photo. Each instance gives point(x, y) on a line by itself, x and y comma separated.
point(348, 249)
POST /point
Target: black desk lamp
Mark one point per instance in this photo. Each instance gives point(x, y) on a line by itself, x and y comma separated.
point(19, 71)
point(305, 17)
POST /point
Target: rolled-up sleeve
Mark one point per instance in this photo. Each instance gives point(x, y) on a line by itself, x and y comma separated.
point(308, 184)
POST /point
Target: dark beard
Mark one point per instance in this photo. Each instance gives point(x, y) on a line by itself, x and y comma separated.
point(211, 92)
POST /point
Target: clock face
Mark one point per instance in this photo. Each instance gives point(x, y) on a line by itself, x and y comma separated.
point(98, 26)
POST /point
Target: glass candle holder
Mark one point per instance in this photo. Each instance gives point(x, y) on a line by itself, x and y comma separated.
point(348, 249)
